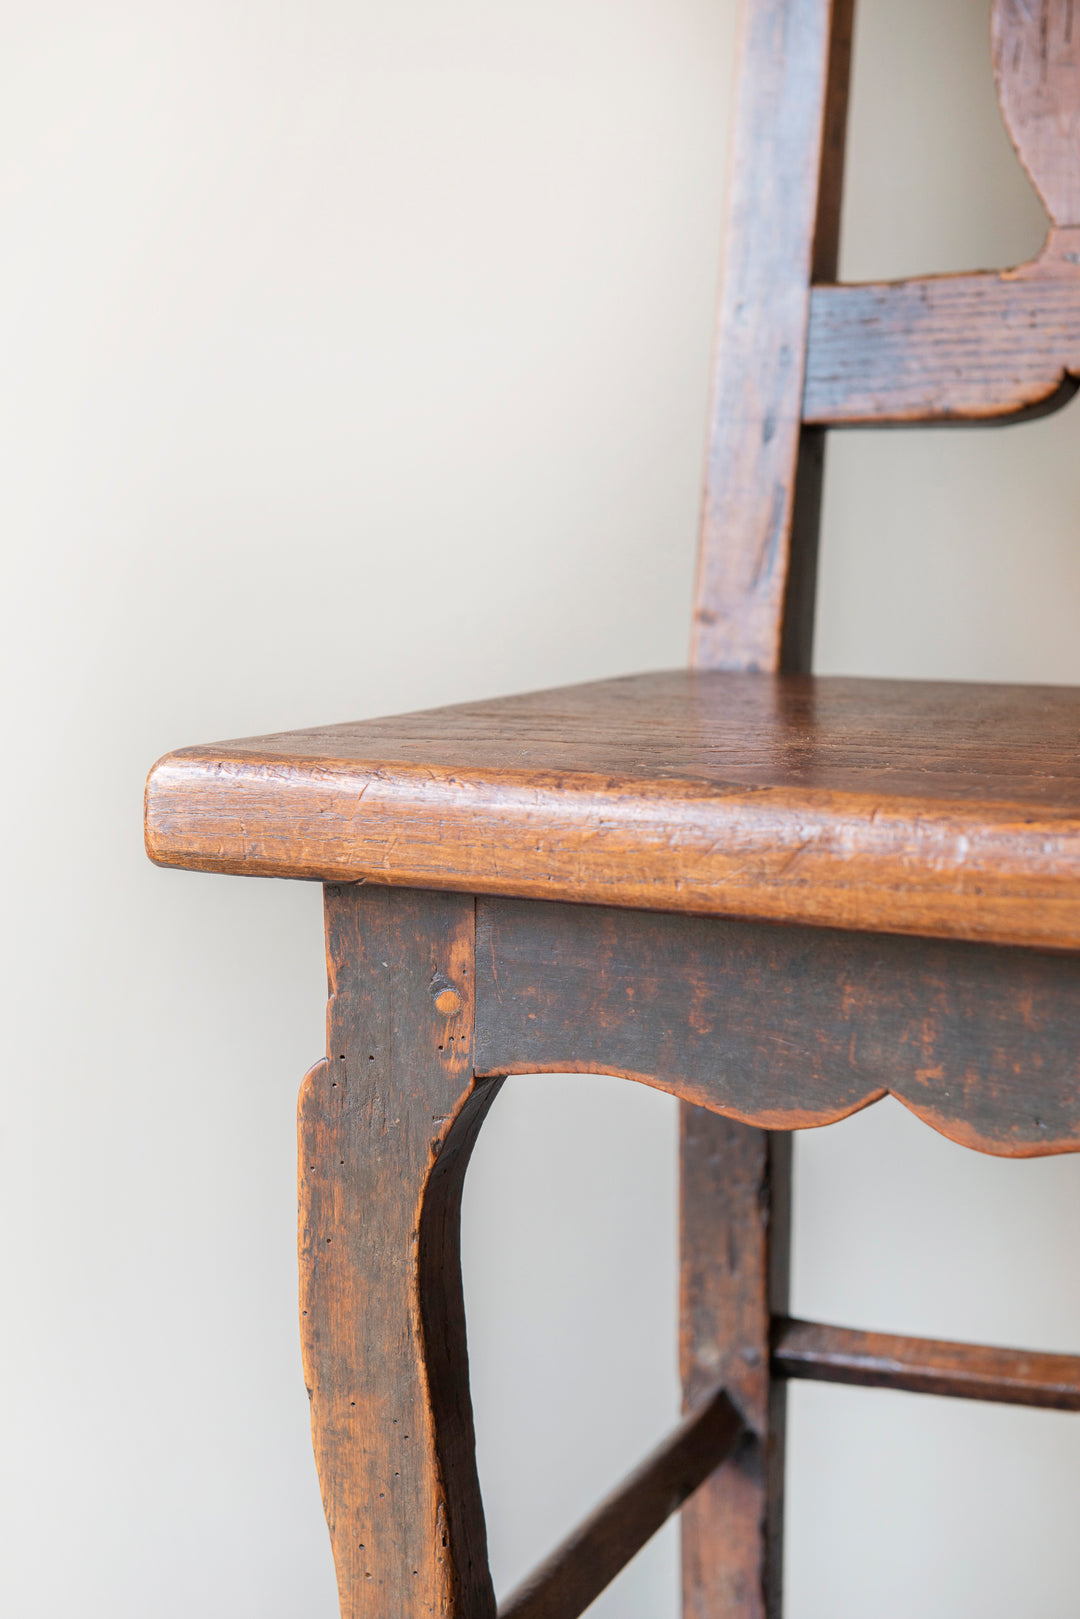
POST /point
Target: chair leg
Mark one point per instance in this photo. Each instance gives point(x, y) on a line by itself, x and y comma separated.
point(735, 1221)
point(386, 1125)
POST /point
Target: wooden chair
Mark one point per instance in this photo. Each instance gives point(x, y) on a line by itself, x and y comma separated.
point(776, 897)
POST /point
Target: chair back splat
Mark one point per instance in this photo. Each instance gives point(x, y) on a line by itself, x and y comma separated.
point(797, 353)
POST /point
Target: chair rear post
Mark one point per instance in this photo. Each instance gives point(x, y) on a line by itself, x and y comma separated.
point(754, 600)
point(755, 610)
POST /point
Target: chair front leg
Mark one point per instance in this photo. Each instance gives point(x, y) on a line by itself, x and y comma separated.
point(386, 1126)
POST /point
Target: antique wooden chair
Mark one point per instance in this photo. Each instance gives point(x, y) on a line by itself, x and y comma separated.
point(776, 897)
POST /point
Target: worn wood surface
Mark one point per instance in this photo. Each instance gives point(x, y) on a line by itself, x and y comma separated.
point(787, 1028)
point(944, 811)
point(771, 242)
point(735, 1203)
point(588, 1560)
point(974, 348)
point(983, 347)
point(754, 609)
point(806, 1349)
point(385, 1129)
point(927, 808)
point(1037, 67)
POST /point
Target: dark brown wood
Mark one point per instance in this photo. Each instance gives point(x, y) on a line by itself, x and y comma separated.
point(787, 1028)
point(754, 609)
point(588, 1560)
point(386, 1126)
point(734, 1241)
point(854, 812)
point(975, 348)
point(788, 119)
point(910, 807)
point(806, 1349)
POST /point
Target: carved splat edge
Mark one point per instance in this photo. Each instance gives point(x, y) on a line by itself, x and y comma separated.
point(990, 347)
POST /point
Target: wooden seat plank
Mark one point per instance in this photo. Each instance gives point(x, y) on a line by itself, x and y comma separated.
point(943, 809)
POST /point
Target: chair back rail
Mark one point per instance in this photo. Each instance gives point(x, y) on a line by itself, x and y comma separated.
point(797, 353)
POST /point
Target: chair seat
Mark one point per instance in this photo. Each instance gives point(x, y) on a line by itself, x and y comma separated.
point(942, 809)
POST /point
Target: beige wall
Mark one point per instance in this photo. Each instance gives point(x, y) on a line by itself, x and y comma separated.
point(355, 358)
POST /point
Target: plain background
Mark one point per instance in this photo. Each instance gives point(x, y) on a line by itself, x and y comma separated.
point(355, 358)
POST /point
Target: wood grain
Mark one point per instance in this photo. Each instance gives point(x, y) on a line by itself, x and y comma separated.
point(955, 348)
point(857, 813)
point(589, 1559)
point(943, 809)
point(806, 1349)
point(772, 237)
point(988, 347)
point(1037, 66)
point(787, 1028)
point(735, 1214)
point(385, 1129)
point(754, 609)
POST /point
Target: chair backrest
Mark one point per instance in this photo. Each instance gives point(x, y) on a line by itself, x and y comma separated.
point(798, 354)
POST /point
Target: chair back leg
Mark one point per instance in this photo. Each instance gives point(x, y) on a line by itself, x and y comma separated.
point(735, 1234)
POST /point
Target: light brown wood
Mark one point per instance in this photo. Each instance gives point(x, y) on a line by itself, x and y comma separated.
point(953, 348)
point(788, 63)
point(1037, 67)
point(588, 1560)
point(386, 1126)
point(951, 810)
point(996, 346)
point(806, 1349)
